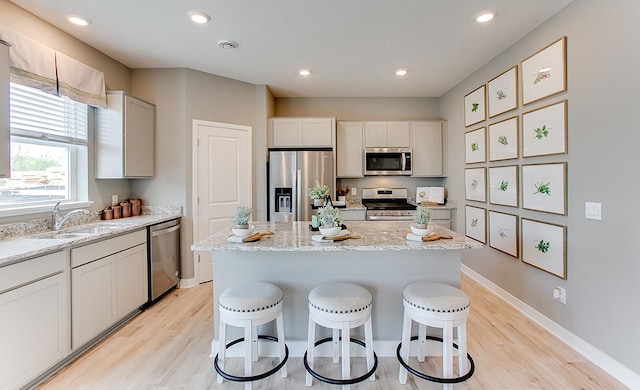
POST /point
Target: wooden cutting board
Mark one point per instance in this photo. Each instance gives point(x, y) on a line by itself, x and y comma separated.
point(341, 238)
point(434, 237)
point(256, 236)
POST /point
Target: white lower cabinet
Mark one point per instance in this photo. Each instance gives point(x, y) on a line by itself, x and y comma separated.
point(34, 318)
point(352, 214)
point(441, 217)
point(132, 287)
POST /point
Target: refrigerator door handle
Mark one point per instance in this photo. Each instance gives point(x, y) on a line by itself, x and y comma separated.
point(298, 205)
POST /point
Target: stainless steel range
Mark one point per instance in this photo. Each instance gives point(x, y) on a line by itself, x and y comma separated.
point(387, 204)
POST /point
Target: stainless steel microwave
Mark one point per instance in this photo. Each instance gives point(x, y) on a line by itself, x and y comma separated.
point(387, 161)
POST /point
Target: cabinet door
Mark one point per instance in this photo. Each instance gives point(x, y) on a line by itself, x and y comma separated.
point(317, 132)
point(93, 299)
point(139, 124)
point(398, 135)
point(428, 149)
point(132, 284)
point(34, 330)
point(375, 134)
point(350, 149)
point(287, 132)
point(5, 161)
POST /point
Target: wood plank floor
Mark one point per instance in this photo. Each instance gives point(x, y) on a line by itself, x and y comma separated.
point(168, 346)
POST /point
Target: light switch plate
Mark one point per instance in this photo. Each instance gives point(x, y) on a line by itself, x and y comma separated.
point(593, 210)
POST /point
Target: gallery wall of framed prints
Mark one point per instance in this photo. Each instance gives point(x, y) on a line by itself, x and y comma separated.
point(516, 148)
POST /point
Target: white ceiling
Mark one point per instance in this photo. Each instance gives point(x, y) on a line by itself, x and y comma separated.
point(352, 47)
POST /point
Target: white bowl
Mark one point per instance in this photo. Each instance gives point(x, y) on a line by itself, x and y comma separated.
point(420, 232)
point(243, 232)
point(330, 232)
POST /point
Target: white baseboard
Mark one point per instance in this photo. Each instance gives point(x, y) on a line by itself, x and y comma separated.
point(188, 283)
point(614, 368)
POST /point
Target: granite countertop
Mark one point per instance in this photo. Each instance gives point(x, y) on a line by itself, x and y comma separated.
point(21, 248)
point(375, 235)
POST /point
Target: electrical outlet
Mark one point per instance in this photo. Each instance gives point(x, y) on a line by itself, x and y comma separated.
point(114, 200)
point(560, 295)
point(354, 191)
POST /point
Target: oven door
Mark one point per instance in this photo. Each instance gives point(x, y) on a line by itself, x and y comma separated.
point(387, 161)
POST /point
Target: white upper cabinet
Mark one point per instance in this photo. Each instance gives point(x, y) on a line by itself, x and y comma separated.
point(5, 162)
point(349, 149)
point(381, 134)
point(125, 137)
point(302, 132)
point(428, 145)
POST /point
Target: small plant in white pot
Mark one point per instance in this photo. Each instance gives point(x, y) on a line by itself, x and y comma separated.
point(329, 221)
point(420, 221)
point(241, 218)
point(319, 194)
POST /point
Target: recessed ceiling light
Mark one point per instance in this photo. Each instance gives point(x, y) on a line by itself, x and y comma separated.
point(79, 20)
point(485, 16)
point(304, 72)
point(401, 72)
point(226, 44)
point(199, 17)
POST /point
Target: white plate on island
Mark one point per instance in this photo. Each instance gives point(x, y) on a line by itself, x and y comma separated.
point(320, 237)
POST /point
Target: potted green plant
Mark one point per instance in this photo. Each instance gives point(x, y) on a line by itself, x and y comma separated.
point(241, 218)
point(421, 220)
point(329, 221)
point(319, 193)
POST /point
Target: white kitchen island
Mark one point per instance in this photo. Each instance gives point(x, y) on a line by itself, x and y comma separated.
point(382, 261)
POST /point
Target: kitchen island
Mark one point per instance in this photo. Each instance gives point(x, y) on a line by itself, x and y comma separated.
point(382, 260)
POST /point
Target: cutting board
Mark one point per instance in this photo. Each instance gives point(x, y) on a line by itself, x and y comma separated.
point(340, 238)
point(434, 237)
point(256, 236)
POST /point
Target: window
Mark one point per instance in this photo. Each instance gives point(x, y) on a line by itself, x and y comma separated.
point(48, 149)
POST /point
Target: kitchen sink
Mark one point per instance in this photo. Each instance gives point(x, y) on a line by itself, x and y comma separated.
point(78, 232)
point(95, 230)
point(61, 236)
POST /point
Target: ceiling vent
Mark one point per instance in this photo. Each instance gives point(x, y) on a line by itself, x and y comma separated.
point(227, 45)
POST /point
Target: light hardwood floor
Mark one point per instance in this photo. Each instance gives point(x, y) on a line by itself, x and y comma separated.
point(168, 346)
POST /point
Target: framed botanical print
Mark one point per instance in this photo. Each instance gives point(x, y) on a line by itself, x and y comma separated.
point(503, 185)
point(503, 92)
point(503, 140)
point(475, 223)
point(474, 106)
point(475, 184)
point(544, 187)
point(475, 149)
point(544, 131)
point(503, 232)
point(545, 73)
point(544, 246)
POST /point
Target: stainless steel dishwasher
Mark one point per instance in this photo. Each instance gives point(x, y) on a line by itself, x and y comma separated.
point(163, 240)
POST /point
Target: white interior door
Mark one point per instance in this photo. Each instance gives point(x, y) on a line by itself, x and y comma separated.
point(222, 182)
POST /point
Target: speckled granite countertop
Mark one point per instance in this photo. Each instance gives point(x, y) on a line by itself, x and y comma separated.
point(17, 249)
point(375, 235)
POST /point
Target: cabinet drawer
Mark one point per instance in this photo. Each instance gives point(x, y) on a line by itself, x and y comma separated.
point(440, 214)
point(88, 253)
point(27, 271)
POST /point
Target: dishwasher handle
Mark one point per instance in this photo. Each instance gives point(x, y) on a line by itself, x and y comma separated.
point(165, 231)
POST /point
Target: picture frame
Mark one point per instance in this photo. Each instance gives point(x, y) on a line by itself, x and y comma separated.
point(502, 92)
point(503, 233)
point(503, 140)
point(544, 130)
point(544, 246)
point(476, 223)
point(503, 185)
point(544, 73)
point(475, 180)
point(475, 149)
point(544, 187)
point(475, 109)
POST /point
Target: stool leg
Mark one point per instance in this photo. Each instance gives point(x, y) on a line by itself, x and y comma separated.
point(311, 339)
point(404, 351)
point(447, 350)
point(422, 344)
point(280, 330)
point(254, 343)
point(248, 352)
point(368, 339)
point(346, 353)
point(462, 349)
point(222, 348)
point(336, 345)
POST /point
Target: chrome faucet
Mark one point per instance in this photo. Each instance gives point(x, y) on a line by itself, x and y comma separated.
point(58, 220)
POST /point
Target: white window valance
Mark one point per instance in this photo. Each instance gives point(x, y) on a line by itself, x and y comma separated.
point(38, 66)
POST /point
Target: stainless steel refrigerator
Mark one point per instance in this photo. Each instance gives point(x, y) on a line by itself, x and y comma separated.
point(291, 174)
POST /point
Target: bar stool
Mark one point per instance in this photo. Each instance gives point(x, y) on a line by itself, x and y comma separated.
point(247, 306)
point(439, 306)
point(341, 307)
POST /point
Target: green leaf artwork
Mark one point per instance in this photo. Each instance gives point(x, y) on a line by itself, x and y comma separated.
point(474, 107)
point(501, 94)
point(474, 222)
point(503, 232)
point(543, 188)
point(475, 147)
point(474, 184)
point(541, 132)
point(543, 246)
point(503, 140)
point(504, 185)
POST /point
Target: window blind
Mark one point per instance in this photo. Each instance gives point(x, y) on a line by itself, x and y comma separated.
point(38, 115)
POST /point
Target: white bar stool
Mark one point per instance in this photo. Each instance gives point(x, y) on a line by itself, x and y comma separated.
point(247, 306)
point(341, 307)
point(439, 306)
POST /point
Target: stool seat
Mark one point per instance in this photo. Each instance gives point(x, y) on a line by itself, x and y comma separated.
point(250, 297)
point(340, 298)
point(436, 297)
